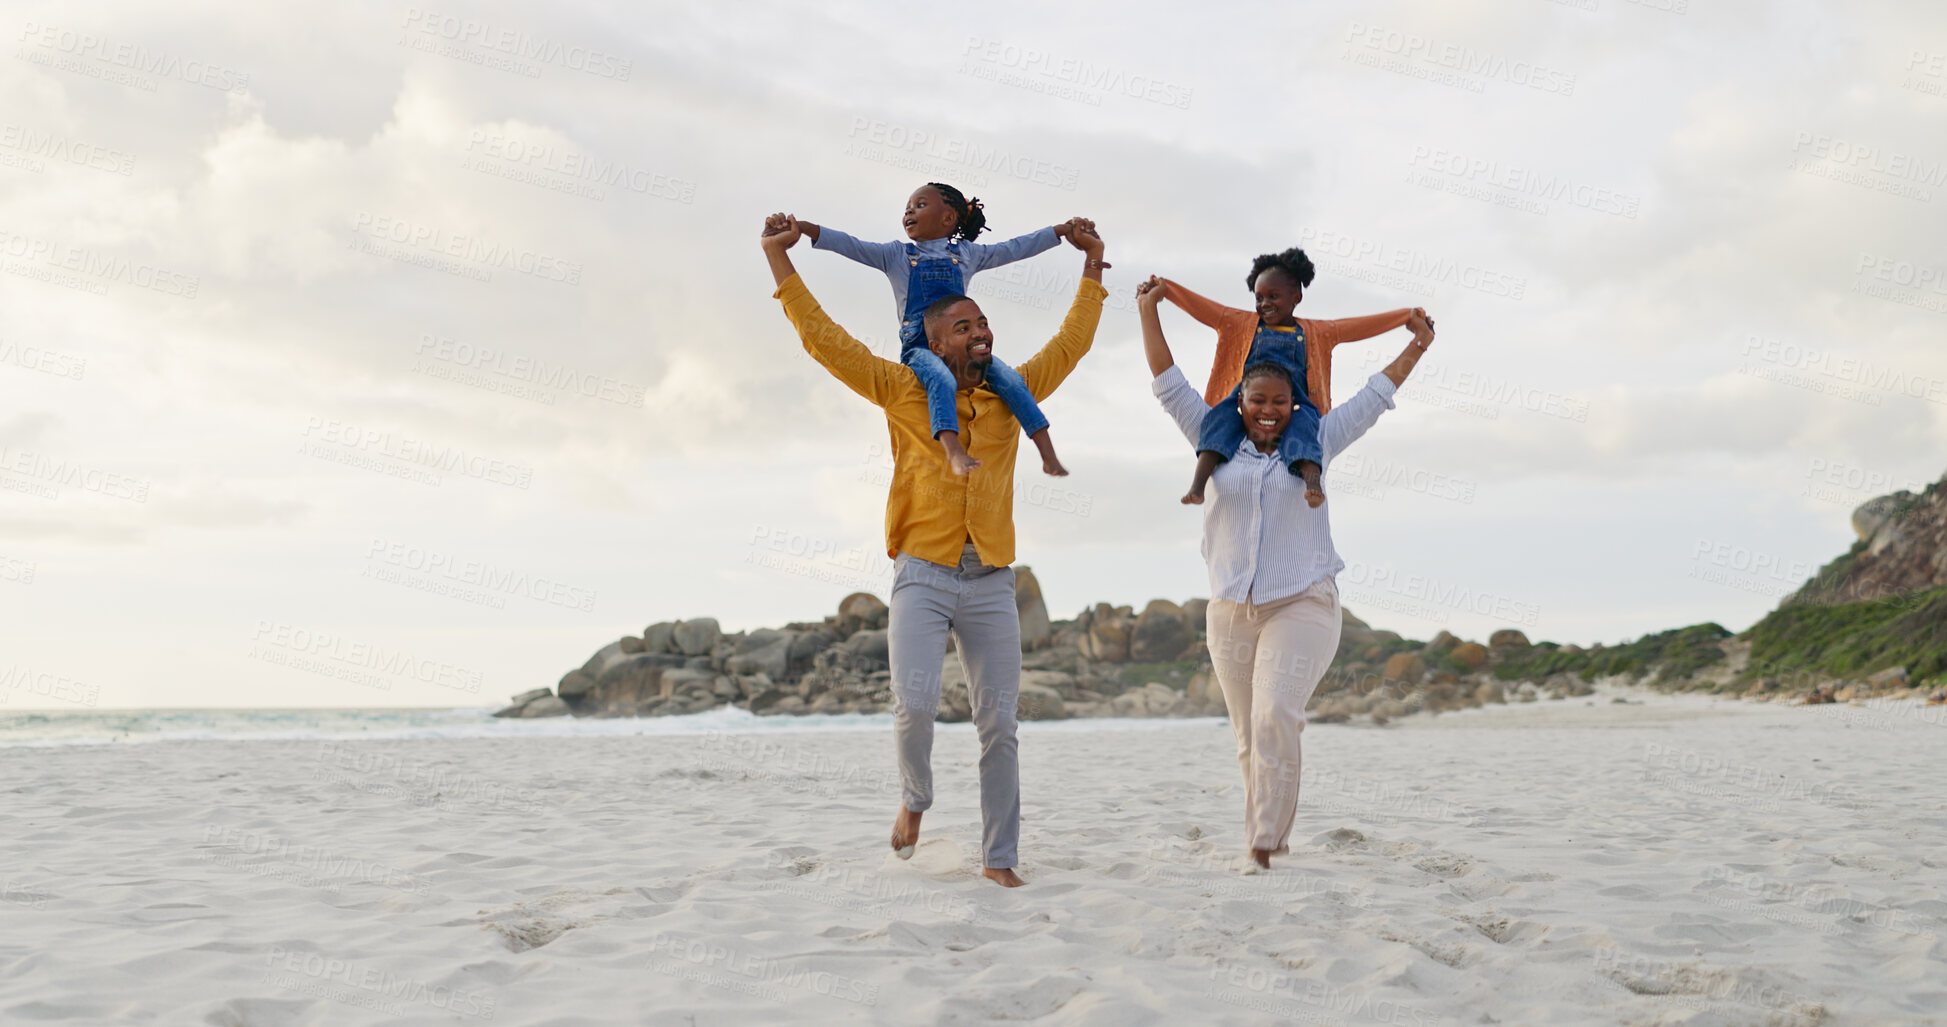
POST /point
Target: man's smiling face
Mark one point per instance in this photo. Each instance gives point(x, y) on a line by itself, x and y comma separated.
point(959, 334)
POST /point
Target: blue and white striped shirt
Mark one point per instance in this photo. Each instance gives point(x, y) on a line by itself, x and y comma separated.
point(1261, 540)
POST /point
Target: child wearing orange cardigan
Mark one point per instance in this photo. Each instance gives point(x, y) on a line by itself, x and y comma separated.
point(1278, 281)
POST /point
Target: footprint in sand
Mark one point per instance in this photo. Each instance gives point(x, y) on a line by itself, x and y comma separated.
point(1340, 840)
point(532, 923)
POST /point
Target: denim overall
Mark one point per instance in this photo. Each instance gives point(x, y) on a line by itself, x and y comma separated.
point(1223, 426)
point(930, 279)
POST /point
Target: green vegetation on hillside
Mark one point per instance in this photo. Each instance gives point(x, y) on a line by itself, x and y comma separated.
point(1855, 639)
point(1675, 654)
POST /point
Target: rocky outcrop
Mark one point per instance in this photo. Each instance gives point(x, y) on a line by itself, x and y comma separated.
point(1036, 629)
point(1162, 633)
point(1901, 548)
point(1109, 661)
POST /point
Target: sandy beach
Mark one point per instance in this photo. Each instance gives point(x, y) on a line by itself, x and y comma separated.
point(1668, 860)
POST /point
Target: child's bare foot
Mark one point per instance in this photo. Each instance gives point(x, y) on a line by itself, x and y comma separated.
point(1192, 499)
point(1207, 461)
point(956, 456)
point(1049, 463)
point(1003, 876)
point(905, 832)
point(1314, 492)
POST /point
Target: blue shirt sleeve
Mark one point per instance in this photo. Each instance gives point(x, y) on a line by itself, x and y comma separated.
point(981, 256)
point(1343, 425)
point(883, 255)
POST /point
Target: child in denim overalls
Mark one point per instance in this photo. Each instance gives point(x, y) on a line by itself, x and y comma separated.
point(941, 256)
point(1280, 340)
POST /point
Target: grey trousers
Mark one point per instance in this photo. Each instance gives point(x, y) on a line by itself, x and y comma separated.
point(976, 603)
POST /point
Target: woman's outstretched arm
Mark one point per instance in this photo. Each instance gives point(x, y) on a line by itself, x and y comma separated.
point(1402, 365)
point(1155, 347)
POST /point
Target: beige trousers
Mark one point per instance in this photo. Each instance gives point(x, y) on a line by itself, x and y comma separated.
point(1268, 659)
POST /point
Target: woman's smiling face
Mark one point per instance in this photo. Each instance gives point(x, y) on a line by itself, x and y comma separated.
point(1266, 404)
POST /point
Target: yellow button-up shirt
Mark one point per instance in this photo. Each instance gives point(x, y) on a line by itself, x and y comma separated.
point(931, 511)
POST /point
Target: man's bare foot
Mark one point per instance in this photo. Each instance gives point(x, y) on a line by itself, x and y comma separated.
point(905, 832)
point(1003, 876)
point(1263, 857)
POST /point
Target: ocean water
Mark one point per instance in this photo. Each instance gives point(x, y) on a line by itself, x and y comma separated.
point(116, 727)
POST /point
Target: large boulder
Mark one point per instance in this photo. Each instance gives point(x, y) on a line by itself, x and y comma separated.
point(696, 637)
point(1036, 629)
point(1876, 514)
point(1151, 700)
point(868, 651)
point(684, 680)
point(602, 658)
point(1038, 702)
point(1471, 655)
point(521, 702)
point(1443, 641)
point(1060, 682)
point(545, 706)
point(659, 637)
point(772, 657)
point(1160, 634)
point(1404, 667)
point(574, 685)
point(1107, 636)
point(1196, 613)
point(1507, 638)
point(861, 611)
point(632, 678)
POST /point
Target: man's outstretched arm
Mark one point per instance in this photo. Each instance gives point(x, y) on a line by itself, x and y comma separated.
point(875, 378)
point(1048, 367)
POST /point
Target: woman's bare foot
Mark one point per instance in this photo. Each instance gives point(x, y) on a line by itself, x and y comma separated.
point(1263, 857)
point(905, 832)
point(1003, 876)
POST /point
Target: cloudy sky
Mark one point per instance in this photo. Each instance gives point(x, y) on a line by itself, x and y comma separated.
point(407, 355)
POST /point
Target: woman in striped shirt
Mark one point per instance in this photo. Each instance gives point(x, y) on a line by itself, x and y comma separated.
point(1274, 607)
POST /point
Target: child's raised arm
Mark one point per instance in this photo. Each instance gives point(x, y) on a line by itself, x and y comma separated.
point(980, 256)
point(886, 256)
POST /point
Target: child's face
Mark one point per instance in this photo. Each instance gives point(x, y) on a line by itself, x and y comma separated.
point(1266, 403)
point(928, 216)
point(1277, 292)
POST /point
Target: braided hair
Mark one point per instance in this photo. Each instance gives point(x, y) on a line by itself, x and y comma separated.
point(973, 218)
point(1292, 262)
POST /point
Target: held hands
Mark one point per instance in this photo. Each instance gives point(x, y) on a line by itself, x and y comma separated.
point(781, 232)
point(1149, 293)
point(1082, 236)
point(1067, 228)
point(1421, 326)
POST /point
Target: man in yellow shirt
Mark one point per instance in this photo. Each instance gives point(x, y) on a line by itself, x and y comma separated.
point(951, 536)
